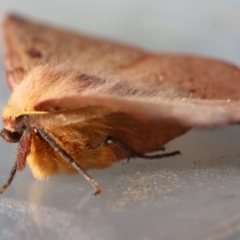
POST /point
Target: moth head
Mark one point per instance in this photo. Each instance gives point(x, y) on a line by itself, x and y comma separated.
point(11, 136)
point(13, 129)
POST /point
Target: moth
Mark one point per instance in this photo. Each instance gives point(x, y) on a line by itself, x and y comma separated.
point(81, 103)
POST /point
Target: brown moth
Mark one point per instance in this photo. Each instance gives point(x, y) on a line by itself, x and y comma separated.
point(81, 103)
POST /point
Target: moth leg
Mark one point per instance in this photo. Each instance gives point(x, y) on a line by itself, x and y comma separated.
point(10, 178)
point(67, 157)
point(132, 154)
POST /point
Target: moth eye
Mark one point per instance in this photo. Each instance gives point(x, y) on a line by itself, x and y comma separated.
point(9, 136)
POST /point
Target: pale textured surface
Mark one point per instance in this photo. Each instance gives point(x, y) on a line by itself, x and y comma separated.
point(195, 196)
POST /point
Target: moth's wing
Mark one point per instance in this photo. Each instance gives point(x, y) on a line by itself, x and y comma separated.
point(144, 81)
point(190, 91)
point(184, 112)
point(196, 77)
point(27, 44)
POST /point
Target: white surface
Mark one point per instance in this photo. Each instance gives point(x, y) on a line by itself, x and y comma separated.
point(194, 196)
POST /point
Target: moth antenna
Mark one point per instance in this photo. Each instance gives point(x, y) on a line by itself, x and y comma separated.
point(10, 178)
point(68, 158)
